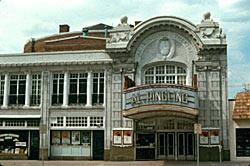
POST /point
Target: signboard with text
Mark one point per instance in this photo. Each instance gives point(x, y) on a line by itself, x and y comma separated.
point(183, 97)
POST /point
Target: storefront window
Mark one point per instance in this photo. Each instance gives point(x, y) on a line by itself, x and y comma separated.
point(14, 142)
point(242, 142)
point(145, 140)
point(71, 143)
point(70, 138)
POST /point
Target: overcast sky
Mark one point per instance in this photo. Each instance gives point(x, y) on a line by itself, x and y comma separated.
point(21, 20)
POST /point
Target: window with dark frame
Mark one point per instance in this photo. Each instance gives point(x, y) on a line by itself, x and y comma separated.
point(1, 88)
point(78, 88)
point(17, 89)
point(57, 95)
point(36, 89)
point(243, 142)
point(98, 89)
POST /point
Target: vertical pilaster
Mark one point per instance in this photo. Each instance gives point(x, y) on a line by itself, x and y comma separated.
point(6, 90)
point(65, 89)
point(44, 124)
point(89, 89)
point(27, 89)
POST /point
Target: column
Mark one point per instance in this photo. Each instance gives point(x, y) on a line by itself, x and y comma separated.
point(89, 89)
point(6, 89)
point(65, 89)
point(27, 90)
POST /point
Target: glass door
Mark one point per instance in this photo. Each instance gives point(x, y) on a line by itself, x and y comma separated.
point(161, 146)
point(170, 146)
point(181, 146)
point(190, 146)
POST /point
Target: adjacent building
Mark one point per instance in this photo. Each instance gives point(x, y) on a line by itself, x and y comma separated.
point(239, 127)
point(130, 92)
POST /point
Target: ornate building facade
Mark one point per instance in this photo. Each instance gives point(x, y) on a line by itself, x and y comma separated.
point(130, 92)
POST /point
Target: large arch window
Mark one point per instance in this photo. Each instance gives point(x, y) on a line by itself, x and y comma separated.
point(170, 74)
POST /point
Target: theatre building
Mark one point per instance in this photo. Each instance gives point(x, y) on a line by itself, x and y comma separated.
point(129, 92)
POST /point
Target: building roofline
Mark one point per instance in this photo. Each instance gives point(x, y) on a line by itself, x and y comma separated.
point(53, 53)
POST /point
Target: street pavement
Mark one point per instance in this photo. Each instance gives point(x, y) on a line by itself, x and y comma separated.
point(115, 163)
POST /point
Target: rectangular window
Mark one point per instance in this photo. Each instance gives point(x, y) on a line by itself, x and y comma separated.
point(1, 89)
point(98, 88)
point(57, 95)
point(243, 142)
point(78, 88)
point(36, 89)
point(17, 89)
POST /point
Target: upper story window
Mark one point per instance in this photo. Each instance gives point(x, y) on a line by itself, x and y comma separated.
point(1, 89)
point(36, 89)
point(165, 74)
point(17, 89)
point(98, 88)
point(78, 88)
point(57, 95)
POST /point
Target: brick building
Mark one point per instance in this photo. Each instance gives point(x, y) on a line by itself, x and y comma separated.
point(130, 92)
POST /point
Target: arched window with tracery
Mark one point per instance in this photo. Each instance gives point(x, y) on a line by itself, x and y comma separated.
point(170, 74)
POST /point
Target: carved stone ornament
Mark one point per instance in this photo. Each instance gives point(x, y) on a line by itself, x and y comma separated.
point(166, 47)
point(210, 29)
point(122, 33)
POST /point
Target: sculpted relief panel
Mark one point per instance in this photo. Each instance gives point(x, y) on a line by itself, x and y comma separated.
point(165, 46)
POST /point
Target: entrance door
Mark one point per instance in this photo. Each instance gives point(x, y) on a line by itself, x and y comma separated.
point(166, 146)
point(34, 145)
point(161, 146)
point(98, 145)
point(190, 146)
point(170, 146)
point(181, 146)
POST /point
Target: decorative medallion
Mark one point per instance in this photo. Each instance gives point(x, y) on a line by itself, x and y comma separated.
point(166, 47)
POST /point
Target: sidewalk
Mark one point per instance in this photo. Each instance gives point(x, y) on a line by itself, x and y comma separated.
point(116, 163)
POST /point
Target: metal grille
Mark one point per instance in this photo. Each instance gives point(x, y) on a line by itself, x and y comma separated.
point(58, 123)
point(33, 123)
point(96, 121)
point(76, 121)
point(15, 123)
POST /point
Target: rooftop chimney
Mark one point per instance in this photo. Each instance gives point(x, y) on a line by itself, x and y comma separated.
point(85, 31)
point(63, 28)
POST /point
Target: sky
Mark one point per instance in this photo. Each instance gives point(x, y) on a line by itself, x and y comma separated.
point(21, 20)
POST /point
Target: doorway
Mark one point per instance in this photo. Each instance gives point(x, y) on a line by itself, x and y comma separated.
point(98, 145)
point(34, 145)
point(175, 146)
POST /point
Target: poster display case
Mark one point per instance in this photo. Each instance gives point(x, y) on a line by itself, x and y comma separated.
point(214, 137)
point(204, 138)
point(122, 137)
point(71, 143)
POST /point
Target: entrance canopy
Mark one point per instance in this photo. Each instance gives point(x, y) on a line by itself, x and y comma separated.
point(160, 100)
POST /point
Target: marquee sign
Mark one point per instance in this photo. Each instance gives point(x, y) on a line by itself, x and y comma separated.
point(150, 97)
